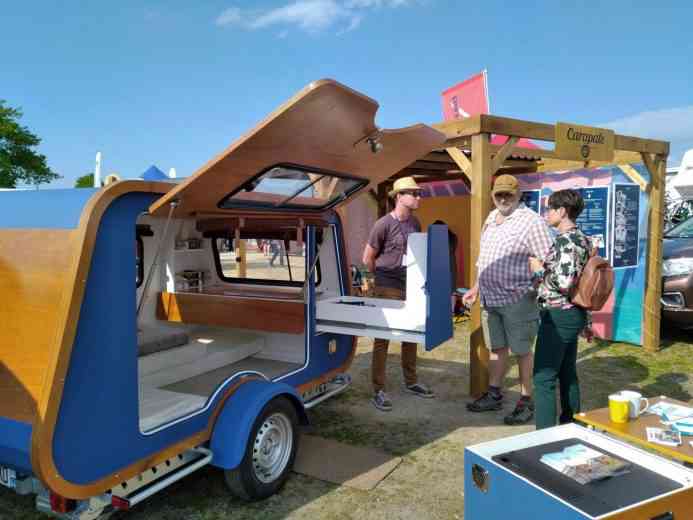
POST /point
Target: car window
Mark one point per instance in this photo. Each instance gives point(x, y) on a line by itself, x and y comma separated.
point(682, 230)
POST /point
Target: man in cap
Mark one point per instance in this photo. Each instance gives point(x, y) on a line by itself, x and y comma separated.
point(511, 234)
point(385, 256)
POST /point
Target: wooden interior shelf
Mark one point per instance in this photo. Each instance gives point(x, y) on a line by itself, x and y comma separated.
point(268, 311)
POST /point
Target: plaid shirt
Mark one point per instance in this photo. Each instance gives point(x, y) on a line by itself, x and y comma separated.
point(504, 274)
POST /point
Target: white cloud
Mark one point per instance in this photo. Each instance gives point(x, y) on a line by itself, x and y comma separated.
point(229, 16)
point(311, 16)
point(670, 124)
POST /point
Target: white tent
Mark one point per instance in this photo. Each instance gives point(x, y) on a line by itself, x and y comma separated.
point(683, 181)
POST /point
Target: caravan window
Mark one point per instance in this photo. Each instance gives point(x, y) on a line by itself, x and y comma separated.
point(268, 261)
point(293, 187)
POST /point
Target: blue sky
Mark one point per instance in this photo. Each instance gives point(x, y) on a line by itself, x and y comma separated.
point(173, 83)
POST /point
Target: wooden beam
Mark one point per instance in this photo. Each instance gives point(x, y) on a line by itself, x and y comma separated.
point(656, 165)
point(459, 127)
point(432, 165)
point(518, 127)
point(458, 142)
point(546, 132)
point(634, 175)
point(636, 144)
point(502, 154)
point(480, 208)
point(461, 160)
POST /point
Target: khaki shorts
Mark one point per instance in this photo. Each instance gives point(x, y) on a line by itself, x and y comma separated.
point(513, 325)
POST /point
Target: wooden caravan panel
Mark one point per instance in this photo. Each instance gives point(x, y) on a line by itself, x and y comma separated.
point(232, 311)
point(326, 126)
point(34, 267)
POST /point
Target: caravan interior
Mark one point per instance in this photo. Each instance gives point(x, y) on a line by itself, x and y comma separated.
point(222, 296)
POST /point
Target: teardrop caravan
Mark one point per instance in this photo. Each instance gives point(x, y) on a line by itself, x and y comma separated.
point(152, 328)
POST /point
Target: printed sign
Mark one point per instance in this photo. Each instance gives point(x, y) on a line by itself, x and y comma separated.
point(531, 199)
point(593, 221)
point(626, 225)
point(584, 143)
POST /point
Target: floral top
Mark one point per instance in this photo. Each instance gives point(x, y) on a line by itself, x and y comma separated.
point(562, 268)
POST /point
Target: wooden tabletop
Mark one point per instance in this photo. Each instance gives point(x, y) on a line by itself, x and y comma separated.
point(635, 430)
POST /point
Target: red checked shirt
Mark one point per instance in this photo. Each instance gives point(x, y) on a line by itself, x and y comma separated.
point(504, 274)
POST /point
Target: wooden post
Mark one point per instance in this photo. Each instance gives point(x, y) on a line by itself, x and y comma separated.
point(656, 165)
point(481, 206)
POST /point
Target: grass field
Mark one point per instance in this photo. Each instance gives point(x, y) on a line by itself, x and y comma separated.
point(429, 435)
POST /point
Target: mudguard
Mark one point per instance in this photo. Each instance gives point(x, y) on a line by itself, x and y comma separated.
point(232, 428)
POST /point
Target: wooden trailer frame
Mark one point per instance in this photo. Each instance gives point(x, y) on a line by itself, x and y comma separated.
point(469, 155)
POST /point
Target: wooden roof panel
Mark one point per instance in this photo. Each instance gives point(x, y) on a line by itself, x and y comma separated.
point(325, 126)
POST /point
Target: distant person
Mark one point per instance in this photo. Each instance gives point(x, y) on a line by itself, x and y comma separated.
point(555, 356)
point(385, 256)
point(510, 316)
point(276, 250)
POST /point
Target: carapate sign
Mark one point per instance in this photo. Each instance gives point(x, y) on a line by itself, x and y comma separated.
point(584, 143)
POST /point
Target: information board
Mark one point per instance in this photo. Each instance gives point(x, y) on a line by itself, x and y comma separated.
point(531, 199)
point(593, 221)
point(626, 225)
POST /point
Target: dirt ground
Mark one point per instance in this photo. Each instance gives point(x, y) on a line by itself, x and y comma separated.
point(430, 435)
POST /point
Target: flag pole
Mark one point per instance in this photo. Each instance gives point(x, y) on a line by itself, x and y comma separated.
point(488, 100)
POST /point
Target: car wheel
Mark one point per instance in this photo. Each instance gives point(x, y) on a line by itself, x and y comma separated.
point(269, 454)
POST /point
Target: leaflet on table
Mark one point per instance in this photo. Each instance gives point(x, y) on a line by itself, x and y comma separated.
point(584, 464)
point(670, 412)
point(663, 437)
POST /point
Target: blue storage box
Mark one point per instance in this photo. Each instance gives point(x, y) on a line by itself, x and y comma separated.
point(499, 485)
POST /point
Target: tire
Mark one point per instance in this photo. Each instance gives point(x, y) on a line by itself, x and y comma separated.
point(269, 454)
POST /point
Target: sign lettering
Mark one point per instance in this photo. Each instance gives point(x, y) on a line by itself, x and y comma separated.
point(584, 143)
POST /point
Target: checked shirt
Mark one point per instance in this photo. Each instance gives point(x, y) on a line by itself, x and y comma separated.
point(504, 274)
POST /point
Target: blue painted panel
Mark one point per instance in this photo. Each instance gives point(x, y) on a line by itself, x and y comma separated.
point(97, 430)
point(438, 287)
point(15, 445)
point(629, 283)
point(48, 209)
point(232, 428)
point(509, 496)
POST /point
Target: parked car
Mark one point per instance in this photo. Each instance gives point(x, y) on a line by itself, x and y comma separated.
point(677, 275)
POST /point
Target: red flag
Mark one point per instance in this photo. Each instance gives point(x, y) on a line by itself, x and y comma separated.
point(470, 98)
point(466, 99)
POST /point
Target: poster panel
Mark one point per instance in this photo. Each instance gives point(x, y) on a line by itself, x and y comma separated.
point(531, 199)
point(626, 225)
point(593, 221)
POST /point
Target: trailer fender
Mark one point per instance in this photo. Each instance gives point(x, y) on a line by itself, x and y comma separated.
point(232, 428)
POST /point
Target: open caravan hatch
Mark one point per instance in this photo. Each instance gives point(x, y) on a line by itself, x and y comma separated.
point(242, 266)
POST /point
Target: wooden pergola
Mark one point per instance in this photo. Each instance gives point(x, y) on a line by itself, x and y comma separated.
point(470, 156)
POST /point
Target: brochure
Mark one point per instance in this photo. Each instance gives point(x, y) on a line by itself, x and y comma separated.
point(584, 464)
point(664, 437)
point(670, 412)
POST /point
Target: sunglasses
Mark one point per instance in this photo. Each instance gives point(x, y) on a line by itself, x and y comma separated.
point(503, 195)
point(414, 193)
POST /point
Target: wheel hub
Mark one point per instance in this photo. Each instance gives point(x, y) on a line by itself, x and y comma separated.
point(272, 447)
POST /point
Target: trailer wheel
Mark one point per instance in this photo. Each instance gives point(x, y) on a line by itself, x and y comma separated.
point(269, 455)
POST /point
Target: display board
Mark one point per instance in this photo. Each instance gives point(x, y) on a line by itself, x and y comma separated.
point(626, 226)
point(531, 199)
point(621, 319)
point(594, 219)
